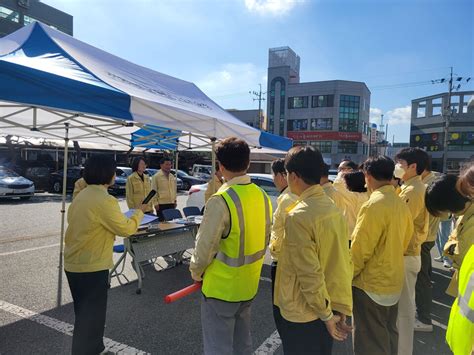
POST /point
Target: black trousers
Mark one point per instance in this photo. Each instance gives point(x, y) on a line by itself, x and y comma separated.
point(89, 292)
point(375, 326)
point(424, 287)
point(305, 338)
point(165, 206)
point(276, 311)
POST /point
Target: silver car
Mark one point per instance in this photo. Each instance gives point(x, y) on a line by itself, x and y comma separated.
point(13, 185)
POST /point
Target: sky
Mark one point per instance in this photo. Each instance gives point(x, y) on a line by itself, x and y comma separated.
point(395, 47)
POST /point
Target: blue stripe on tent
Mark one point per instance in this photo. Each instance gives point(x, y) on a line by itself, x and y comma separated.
point(164, 138)
point(273, 141)
point(31, 86)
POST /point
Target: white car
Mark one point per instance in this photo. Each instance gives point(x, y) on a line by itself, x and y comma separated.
point(265, 181)
point(13, 185)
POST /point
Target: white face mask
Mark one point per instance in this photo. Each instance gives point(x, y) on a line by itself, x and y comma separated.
point(399, 171)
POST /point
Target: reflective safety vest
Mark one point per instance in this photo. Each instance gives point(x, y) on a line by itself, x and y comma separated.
point(460, 332)
point(234, 274)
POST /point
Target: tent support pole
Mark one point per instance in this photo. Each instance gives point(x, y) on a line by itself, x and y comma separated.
point(63, 216)
point(176, 170)
point(213, 168)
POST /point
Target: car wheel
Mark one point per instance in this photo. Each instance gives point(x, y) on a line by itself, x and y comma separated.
point(57, 187)
point(186, 185)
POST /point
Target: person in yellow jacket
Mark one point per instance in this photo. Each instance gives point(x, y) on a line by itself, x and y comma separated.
point(411, 162)
point(284, 201)
point(424, 286)
point(79, 185)
point(164, 183)
point(461, 206)
point(229, 252)
point(138, 186)
point(460, 332)
point(94, 219)
point(335, 195)
point(314, 273)
point(383, 230)
point(218, 181)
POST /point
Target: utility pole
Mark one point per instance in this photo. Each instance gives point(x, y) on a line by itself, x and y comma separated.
point(258, 97)
point(447, 110)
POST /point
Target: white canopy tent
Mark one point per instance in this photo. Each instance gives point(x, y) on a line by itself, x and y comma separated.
point(55, 86)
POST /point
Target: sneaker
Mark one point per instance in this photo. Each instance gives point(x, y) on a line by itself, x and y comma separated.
point(422, 327)
point(447, 264)
point(439, 259)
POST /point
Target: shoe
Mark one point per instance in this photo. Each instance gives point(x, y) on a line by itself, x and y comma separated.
point(439, 259)
point(422, 327)
point(447, 264)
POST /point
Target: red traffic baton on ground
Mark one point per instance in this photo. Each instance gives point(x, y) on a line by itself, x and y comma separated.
point(183, 292)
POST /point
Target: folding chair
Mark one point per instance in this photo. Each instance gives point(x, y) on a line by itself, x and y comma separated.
point(191, 211)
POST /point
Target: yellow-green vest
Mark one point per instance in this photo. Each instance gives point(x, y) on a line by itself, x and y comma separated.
point(234, 274)
point(460, 332)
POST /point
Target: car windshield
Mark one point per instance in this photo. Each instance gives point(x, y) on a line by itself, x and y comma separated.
point(124, 172)
point(7, 173)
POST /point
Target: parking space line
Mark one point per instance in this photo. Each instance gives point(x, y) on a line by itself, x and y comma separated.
point(438, 324)
point(270, 345)
point(29, 249)
point(63, 327)
point(441, 304)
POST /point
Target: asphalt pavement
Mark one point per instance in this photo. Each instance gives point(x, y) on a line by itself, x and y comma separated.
point(31, 322)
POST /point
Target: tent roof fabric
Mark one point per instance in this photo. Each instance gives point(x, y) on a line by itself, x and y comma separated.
point(99, 93)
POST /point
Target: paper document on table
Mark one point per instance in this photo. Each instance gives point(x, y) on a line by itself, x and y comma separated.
point(147, 218)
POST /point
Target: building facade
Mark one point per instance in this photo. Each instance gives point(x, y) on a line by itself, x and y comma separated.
point(14, 14)
point(253, 118)
point(332, 116)
point(428, 123)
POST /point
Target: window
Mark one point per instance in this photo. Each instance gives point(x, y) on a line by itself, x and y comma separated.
point(299, 143)
point(322, 146)
point(321, 124)
point(298, 102)
point(297, 125)
point(431, 142)
point(461, 141)
point(349, 113)
point(9, 14)
point(347, 147)
point(27, 20)
point(273, 94)
point(322, 101)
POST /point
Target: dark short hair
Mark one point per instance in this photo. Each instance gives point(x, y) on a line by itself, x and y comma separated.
point(442, 196)
point(99, 170)
point(234, 154)
point(278, 166)
point(355, 181)
point(325, 170)
point(414, 156)
point(380, 167)
point(164, 159)
point(306, 162)
point(135, 163)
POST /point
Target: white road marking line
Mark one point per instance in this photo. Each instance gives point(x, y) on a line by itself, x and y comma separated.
point(441, 274)
point(63, 327)
point(438, 324)
point(442, 304)
point(270, 345)
point(30, 249)
point(267, 279)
